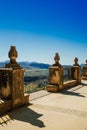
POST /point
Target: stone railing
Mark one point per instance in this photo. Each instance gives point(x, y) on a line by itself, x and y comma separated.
point(57, 81)
point(67, 74)
point(12, 80)
point(12, 84)
point(84, 74)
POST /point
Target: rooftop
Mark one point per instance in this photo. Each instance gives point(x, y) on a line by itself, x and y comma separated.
point(65, 110)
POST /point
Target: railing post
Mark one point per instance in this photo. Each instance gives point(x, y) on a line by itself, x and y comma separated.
point(76, 74)
point(55, 76)
point(16, 76)
point(84, 75)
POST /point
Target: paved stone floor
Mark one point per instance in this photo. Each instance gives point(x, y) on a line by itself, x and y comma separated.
point(66, 110)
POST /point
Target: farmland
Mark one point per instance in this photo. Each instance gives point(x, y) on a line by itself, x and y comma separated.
point(35, 80)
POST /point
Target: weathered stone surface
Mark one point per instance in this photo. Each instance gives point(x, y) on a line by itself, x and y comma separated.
point(76, 71)
point(5, 82)
point(12, 84)
point(5, 105)
point(76, 62)
point(70, 83)
point(84, 76)
point(13, 54)
point(52, 88)
point(26, 99)
point(55, 75)
point(56, 59)
point(17, 87)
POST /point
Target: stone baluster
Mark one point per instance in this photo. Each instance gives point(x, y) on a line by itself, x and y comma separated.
point(76, 74)
point(55, 75)
point(16, 79)
point(84, 76)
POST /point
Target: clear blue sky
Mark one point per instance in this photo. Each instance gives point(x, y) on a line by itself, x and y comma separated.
point(40, 28)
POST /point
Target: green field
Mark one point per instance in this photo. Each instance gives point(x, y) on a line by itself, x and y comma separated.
point(35, 80)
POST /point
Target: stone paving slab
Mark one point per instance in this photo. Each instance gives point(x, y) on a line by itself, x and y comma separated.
point(38, 94)
point(66, 110)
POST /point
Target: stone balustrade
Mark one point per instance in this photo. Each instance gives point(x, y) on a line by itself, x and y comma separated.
point(12, 84)
point(56, 72)
point(84, 76)
point(12, 80)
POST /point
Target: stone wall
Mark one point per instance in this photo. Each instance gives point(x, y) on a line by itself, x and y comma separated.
point(56, 71)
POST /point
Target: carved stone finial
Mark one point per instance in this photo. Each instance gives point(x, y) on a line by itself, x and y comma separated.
point(76, 62)
point(13, 54)
point(56, 59)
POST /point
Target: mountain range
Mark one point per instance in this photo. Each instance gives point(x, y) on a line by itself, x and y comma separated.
point(28, 65)
point(33, 65)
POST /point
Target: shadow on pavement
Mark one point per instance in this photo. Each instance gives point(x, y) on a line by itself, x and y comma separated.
point(25, 114)
point(66, 92)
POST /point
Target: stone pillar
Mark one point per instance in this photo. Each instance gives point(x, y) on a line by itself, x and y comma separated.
point(76, 74)
point(5, 83)
point(16, 77)
point(84, 76)
point(55, 76)
point(17, 87)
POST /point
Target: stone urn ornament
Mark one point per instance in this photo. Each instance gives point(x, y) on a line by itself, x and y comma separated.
point(76, 62)
point(56, 59)
point(13, 54)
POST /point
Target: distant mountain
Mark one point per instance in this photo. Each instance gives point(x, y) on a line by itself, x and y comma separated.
point(33, 65)
point(39, 65)
point(66, 66)
point(82, 65)
point(26, 65)
point(29, 65)
point(2, 64)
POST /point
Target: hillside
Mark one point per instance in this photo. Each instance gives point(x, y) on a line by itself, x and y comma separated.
point(33, 65)
point(29, 65)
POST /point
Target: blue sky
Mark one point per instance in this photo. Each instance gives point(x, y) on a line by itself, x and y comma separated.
point(40, 28)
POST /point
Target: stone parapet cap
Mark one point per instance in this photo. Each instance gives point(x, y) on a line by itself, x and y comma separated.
point(70, 81)
point(11, 69)
point(18, 70)
point(75, 66)
point(6, 69)
point(85, 66)
point(55, 67)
